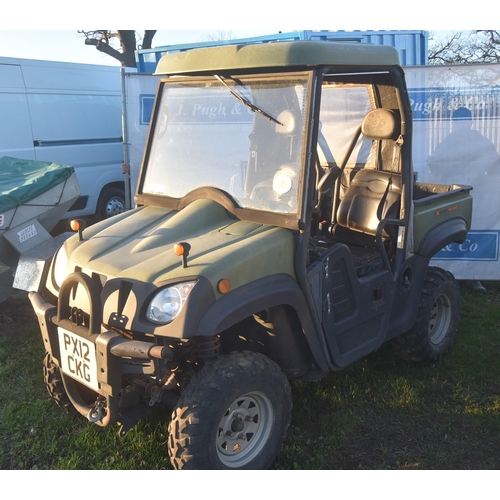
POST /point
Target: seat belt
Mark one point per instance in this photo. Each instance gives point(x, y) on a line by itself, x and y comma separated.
point(381, 204)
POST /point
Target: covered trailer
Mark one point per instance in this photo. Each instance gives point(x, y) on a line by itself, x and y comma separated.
point(34, 196)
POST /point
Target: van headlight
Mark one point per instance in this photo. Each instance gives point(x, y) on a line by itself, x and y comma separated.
point(168, 302)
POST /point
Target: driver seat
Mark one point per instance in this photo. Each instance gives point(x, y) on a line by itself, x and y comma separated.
point(374, 195)
point(372, 199)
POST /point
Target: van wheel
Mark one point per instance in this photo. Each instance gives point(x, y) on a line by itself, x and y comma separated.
point(437, 319)
point(234, 414)
point(111, 202)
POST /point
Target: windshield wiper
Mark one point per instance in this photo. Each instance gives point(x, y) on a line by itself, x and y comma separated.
point(246, 102)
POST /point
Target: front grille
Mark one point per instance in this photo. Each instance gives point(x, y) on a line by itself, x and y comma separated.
point(99, 280)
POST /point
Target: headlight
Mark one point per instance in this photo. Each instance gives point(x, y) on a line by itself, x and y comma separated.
point(168, 302)
point(60, 267)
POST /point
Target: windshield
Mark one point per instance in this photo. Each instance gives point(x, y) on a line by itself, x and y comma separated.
point(242, 135)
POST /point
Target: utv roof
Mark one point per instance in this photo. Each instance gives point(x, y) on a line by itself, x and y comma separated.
point(296, 54)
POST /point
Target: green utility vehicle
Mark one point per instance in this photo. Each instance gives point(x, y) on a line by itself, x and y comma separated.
point(279, 234)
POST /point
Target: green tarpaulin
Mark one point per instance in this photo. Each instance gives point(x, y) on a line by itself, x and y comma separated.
point(24, 180)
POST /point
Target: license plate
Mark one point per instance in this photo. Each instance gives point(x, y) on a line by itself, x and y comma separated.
point(78, 358)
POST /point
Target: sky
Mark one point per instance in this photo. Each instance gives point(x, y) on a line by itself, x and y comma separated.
point(68, 45)
point(34, 32)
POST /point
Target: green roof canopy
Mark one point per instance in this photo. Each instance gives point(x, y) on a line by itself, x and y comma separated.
point(277, 54)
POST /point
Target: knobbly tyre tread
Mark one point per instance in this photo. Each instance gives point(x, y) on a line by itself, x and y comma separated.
point(55, 386)
point(191, 433)
point(414, 346)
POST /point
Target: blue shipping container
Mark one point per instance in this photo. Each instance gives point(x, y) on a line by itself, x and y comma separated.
point(411, 44)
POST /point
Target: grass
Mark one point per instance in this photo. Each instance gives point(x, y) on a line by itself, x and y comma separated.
point(380, 413)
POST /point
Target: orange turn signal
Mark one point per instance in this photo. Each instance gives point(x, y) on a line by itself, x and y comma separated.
point(179, 249)
point(224, 285)
point(182, 250)
point(78, 225)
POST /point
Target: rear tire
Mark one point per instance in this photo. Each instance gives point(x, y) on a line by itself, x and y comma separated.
point(234, 414)
point(437, 319)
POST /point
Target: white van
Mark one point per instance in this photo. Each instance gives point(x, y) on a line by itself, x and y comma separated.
point(67, 113)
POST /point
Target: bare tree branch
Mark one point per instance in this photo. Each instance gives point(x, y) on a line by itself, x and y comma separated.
point(466, 47)
point(219, 36)
point(119, 44)
point(148, 38)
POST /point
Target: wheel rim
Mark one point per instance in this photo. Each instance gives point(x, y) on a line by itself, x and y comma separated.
point(440, 319)
point(244, 429)
point(115, 206)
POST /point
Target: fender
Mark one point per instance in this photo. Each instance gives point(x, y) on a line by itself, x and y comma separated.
point(254, 297)
point(450, 231)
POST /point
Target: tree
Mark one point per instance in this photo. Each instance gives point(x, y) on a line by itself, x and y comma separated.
point(120, 44)
point(218, 36)
point(465, 47)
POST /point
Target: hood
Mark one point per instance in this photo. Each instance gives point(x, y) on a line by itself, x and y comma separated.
point(139, 245)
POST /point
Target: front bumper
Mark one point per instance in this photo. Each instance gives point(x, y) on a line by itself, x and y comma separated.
point(118, 359)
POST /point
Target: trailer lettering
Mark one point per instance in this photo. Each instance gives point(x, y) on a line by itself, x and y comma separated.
point(179, 112)
point(467, 246)
point(211, 112)
point(236, 109)
point(196, 108)
point(27, 233)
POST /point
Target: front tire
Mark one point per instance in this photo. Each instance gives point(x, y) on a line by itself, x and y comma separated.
point(437, 319)
point(234, 414)
point(55, 386)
